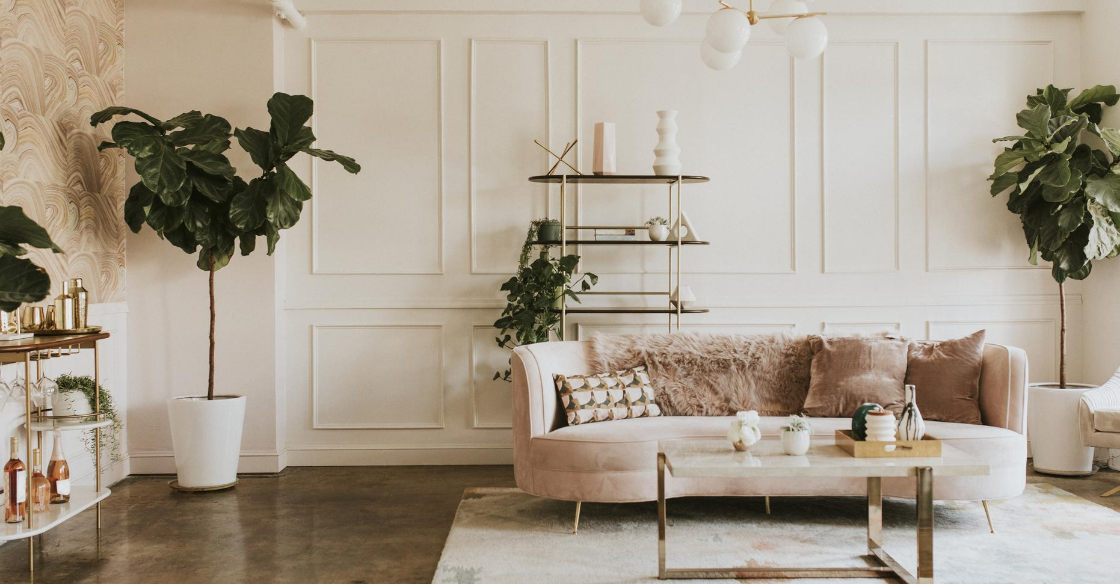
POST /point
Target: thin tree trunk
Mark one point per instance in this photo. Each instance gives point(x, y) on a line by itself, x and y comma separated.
point(1062, 340)
point(213, 319)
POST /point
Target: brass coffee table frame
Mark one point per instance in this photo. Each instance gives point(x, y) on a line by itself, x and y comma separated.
point(884, 566)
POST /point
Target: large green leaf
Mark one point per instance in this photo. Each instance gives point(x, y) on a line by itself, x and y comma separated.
point(248, 242)
point(209, 162)
point(163, 171)
point(1055, 172)
point(1069, 259)
point(289, 114)
point(1035, 120)
point(272, 236)
point(1105, 94)
point(183, 120)
point(163, 218)
point(282, 210)
point(353, 167)
point(290, 184)
point(1, 140)
point(1104, 237)
point(1105, 190)
point(17, 229)
point(303, 139)
point(138, 138)
point(1007, 160)
point(212, 187)
point(21, 282)
point(207, 129)
point(1111, 137)
point(137, 205)
point(1004, 182)
point(182, 238)
point(247, 208)
point(258, 144)
point(108, 113)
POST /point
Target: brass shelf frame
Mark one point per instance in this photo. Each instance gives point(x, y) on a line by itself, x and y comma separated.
point(37, 350)
point(674, 310)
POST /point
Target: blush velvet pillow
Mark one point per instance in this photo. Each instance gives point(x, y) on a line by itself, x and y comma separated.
point(946, 378)
point(848, 372)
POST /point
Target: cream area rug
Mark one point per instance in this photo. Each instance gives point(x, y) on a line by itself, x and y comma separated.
point(1046, 535)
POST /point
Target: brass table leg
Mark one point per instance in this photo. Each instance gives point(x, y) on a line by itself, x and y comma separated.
point(1112, 492)
point(988, 514)
point(575, 525)
point(874, 514)
point(661, 572)
point(925, 525)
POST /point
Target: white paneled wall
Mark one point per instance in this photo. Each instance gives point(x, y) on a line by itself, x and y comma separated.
point(848, 194)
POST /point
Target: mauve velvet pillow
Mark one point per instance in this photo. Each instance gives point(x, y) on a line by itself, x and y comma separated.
point(946, 378)
point(848, 372)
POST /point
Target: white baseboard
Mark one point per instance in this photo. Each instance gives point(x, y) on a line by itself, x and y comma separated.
point(163, 462)
point(399, 456)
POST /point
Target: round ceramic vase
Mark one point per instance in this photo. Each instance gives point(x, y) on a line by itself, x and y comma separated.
point(658, 232)
point(795, 442)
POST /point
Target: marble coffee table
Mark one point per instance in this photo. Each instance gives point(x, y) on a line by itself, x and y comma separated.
point(717, 459)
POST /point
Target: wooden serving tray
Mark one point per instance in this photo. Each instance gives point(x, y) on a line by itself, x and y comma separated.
point(61, 332)
point(927, 447)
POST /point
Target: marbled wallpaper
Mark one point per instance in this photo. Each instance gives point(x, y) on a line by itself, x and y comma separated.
point(60, 61)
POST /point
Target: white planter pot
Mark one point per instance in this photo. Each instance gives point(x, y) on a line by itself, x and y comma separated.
point(795, 443)
point(1054, 431)
point(207, 439)
point(658, 232)
point(70, 403)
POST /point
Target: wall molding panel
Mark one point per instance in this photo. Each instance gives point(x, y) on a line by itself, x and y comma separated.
point(400, 179)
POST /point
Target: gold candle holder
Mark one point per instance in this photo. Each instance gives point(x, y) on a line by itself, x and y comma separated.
point(33, 318)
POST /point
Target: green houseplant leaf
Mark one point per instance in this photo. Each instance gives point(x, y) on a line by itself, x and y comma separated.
point(17, 229)
point(21, 282)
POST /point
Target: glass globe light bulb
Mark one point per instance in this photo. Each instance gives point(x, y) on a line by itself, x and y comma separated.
point(779, 25)
point(806, 38)
point(660, 12)
point(728, 30)
point(716, 60)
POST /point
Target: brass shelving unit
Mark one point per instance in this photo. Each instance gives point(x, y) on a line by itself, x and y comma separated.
point(37, 420)
point(674, 246)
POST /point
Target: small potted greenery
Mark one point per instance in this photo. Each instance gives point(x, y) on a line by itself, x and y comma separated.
point(535, 295)
point(548, 230)
point(77, 392)
point(796, 435)
point(658, 229)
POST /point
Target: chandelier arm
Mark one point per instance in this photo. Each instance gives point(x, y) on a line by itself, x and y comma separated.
point(806, 15)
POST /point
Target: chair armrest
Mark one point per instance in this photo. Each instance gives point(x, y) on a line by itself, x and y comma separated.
point(1105, 396)
point(1003, 387)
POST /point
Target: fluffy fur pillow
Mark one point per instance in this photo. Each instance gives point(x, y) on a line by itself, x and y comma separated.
point(700, 374)
point(848, 372)
point(946, 378)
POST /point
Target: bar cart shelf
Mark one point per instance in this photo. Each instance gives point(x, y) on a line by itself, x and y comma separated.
point(674, 245)
point(36, 350)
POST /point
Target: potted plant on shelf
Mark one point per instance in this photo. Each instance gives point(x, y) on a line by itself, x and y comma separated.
point(658, 228)
point(191, 195)
point(75, 395)
point(548, 230)
point(1064, 188)
point(21, 281)
point(534, 296)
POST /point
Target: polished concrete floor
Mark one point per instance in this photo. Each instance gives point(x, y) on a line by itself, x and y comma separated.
point(348, 525)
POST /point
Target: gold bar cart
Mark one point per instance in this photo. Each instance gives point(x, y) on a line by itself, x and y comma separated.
point(674, 182)
point(37, 420)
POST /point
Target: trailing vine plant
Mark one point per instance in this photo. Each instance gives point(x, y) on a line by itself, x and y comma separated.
point(534, 294)
point(110, 436)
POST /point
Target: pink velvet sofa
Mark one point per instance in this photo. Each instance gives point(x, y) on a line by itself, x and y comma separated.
point(615, 462)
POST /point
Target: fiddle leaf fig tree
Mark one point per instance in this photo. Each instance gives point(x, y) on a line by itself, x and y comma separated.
point(1063, 174)
point(191, 195)
point(21, 281)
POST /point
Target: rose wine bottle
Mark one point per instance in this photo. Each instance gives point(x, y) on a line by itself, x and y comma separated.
point(40, 486)
point(15, 486)
point(58, 473)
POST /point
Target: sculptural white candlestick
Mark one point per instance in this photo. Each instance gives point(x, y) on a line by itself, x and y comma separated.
point(604, 153)
point(667, 153)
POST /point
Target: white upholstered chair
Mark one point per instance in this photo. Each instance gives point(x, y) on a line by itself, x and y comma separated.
point(1100, 418)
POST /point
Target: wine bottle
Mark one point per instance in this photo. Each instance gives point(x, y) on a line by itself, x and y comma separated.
point(15, 486)
point(58, 473)
point(40, 486)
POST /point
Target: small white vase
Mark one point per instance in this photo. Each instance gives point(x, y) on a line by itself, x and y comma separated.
point(911, 426)
point(70, 403)
point(667, 154)
point(658, 232)
point(796, 442)
point(880, 426)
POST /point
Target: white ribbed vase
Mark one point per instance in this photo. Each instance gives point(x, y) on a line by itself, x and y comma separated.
point(667, 154)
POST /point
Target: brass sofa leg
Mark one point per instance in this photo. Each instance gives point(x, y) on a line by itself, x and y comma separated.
point(988, 514)
point(768, 505)
point(1112, 492)
point(575, 525)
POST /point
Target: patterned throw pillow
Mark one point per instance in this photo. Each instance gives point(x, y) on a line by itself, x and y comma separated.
point(607, 396)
